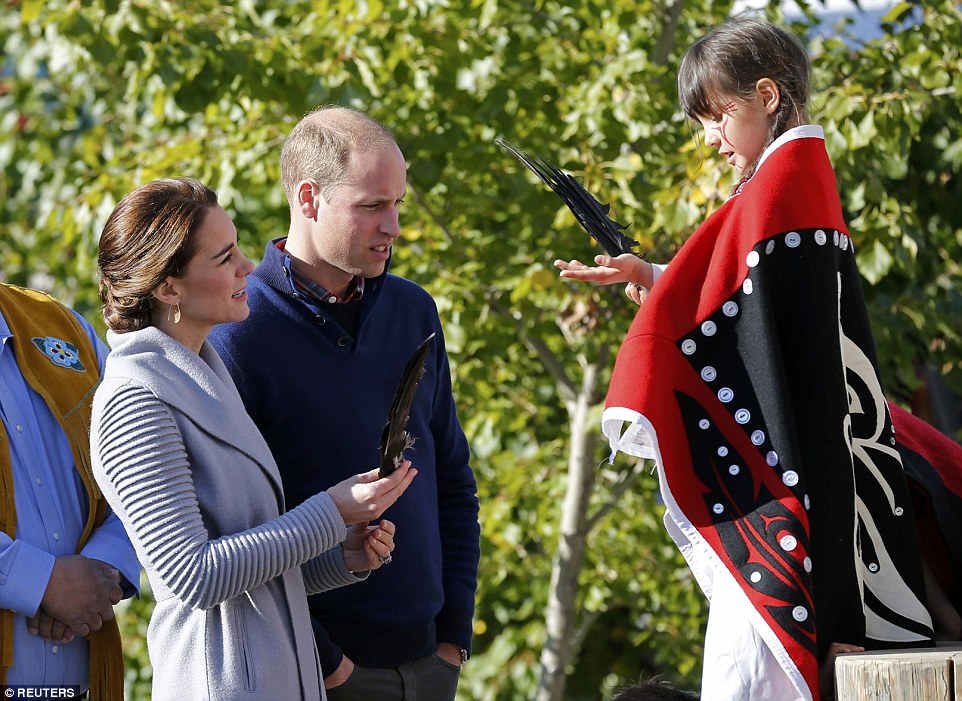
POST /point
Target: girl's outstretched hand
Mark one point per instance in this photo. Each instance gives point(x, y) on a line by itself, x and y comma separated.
point(367, 547)
point(365, 497)
point(607, 271)
point(627, 268)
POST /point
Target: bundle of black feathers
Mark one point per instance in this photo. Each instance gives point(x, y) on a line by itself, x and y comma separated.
point(590, 213)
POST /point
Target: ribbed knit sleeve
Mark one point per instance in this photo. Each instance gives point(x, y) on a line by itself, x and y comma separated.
point(328, 571)
point(142, 464)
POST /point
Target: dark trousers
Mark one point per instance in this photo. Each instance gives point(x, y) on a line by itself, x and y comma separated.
point(427, 679)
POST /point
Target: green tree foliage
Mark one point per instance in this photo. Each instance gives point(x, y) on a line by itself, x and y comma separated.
point(101, 96)
point(893, 110)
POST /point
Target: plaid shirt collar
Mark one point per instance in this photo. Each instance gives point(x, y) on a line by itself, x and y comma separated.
point(318, 293)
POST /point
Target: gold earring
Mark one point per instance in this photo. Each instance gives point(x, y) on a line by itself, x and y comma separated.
point(177, 313)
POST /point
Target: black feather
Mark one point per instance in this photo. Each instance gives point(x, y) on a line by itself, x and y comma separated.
point(394, 437)
point(590, 213)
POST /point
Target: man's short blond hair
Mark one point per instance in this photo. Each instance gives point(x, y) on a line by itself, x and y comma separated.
point(319, 148)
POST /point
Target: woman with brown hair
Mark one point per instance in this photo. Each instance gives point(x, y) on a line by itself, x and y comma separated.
point(190, 476)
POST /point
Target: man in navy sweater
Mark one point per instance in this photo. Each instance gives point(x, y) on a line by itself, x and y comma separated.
point(316, 363)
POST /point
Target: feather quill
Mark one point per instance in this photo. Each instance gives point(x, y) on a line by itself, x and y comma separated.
point(395, 438)
point(590, 213)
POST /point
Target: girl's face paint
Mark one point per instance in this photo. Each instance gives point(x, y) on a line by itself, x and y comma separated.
point(739, 133)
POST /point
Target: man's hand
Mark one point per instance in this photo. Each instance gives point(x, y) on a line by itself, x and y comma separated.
point(450, 653)
point(826, 670)
point(81, 593)
point(339, 675)
point(49, 628)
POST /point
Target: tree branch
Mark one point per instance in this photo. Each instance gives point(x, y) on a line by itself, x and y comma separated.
point(587, 620)
point(554, 367)
point(438, 222)
point(666, 42)
point(566, 565)
point(621, 488)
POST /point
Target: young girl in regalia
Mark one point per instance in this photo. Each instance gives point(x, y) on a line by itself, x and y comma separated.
point(750, 377)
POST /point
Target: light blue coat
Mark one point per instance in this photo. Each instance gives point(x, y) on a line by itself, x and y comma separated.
point(195, 485)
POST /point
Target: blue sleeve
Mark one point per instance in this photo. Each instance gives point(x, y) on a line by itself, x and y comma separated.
point(109, 542)
point(328, 652)
point(24, 573)
point(457, 511)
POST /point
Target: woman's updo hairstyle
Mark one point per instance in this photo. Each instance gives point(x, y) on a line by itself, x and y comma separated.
point(147, 238)
point(729, 61)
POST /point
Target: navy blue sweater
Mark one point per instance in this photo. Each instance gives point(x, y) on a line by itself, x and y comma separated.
point(320, 397)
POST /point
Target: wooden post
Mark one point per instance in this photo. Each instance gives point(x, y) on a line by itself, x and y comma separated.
point(930, 674)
